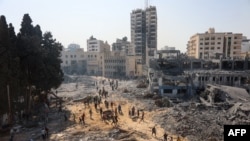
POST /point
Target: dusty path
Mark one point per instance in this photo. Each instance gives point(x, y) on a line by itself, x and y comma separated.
point(95, 129)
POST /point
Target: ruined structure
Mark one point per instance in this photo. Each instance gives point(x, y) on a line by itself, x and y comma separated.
point(173, 74)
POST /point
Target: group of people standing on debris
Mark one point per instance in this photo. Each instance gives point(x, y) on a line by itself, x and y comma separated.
point(115, 110)
point(165, 136)
point(132, 112)
point(112, 83)
point(103, 93)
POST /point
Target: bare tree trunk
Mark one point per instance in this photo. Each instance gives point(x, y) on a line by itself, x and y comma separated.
point(9, 115)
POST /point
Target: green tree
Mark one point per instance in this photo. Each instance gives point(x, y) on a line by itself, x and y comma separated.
point(52, 70)
point(30, 60)
point(9, 67)
point(4, 51)
point(29, 49)
point(14, 66)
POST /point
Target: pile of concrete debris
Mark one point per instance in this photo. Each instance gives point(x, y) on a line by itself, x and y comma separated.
point(205, 120)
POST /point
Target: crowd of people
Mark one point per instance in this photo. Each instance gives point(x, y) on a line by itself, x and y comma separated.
point(108, 109)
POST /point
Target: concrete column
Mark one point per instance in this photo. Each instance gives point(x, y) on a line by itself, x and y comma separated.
point(246, 64)
point(220, 64)
point(239, 78)
point(191, 64)
point(233, 64)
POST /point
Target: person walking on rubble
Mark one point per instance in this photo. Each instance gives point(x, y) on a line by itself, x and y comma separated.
point(119, 109)
point(100, 92)
point(142, 116)
point(133, 111)
point(114, 120)
point(116, 113)
point(101, 111)
point(116, 84)
point(111, 104)
point(83, 118)
point(80, 120)
point(74, 117)
point(96, 106)
point(106, 104)
point(154, 131)
point(165, 137)
point(90, 113)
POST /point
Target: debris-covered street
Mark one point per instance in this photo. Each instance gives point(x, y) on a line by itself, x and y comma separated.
point(194, 120)
point(129, 127)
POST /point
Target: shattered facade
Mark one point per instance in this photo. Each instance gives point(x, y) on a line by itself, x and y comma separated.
point(174, 74)
point(144, 32)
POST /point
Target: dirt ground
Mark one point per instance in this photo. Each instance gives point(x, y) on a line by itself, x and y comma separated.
point(128, 128)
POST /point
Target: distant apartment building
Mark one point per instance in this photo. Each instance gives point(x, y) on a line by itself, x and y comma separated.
point(73, 59)
point(245, 47)
point(95, 50)
point(213, 45)
point(73, 46)
point(144, 32)
point(94, 45)
point(123, 45)
point(94, 63)
point(119, 65)
point(114, 65)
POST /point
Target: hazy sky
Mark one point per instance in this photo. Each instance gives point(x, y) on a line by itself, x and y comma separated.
point(74, 21)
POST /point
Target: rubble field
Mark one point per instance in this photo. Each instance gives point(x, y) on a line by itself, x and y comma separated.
point(201, 118)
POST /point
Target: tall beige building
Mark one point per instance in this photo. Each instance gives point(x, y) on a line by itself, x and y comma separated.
point(212, 45)
point(95, 50)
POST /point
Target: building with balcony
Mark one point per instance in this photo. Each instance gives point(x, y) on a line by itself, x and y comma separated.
point(144, 32)
point(94, 45)
point(95, 52)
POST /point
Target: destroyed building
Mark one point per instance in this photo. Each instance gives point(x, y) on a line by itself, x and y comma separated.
point(173, 74)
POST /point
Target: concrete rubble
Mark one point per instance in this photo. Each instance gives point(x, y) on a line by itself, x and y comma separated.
point(199, 119)
point(204, 120)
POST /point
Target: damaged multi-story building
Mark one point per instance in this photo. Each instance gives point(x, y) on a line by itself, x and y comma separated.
point(212, 58)
point(171, 73)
